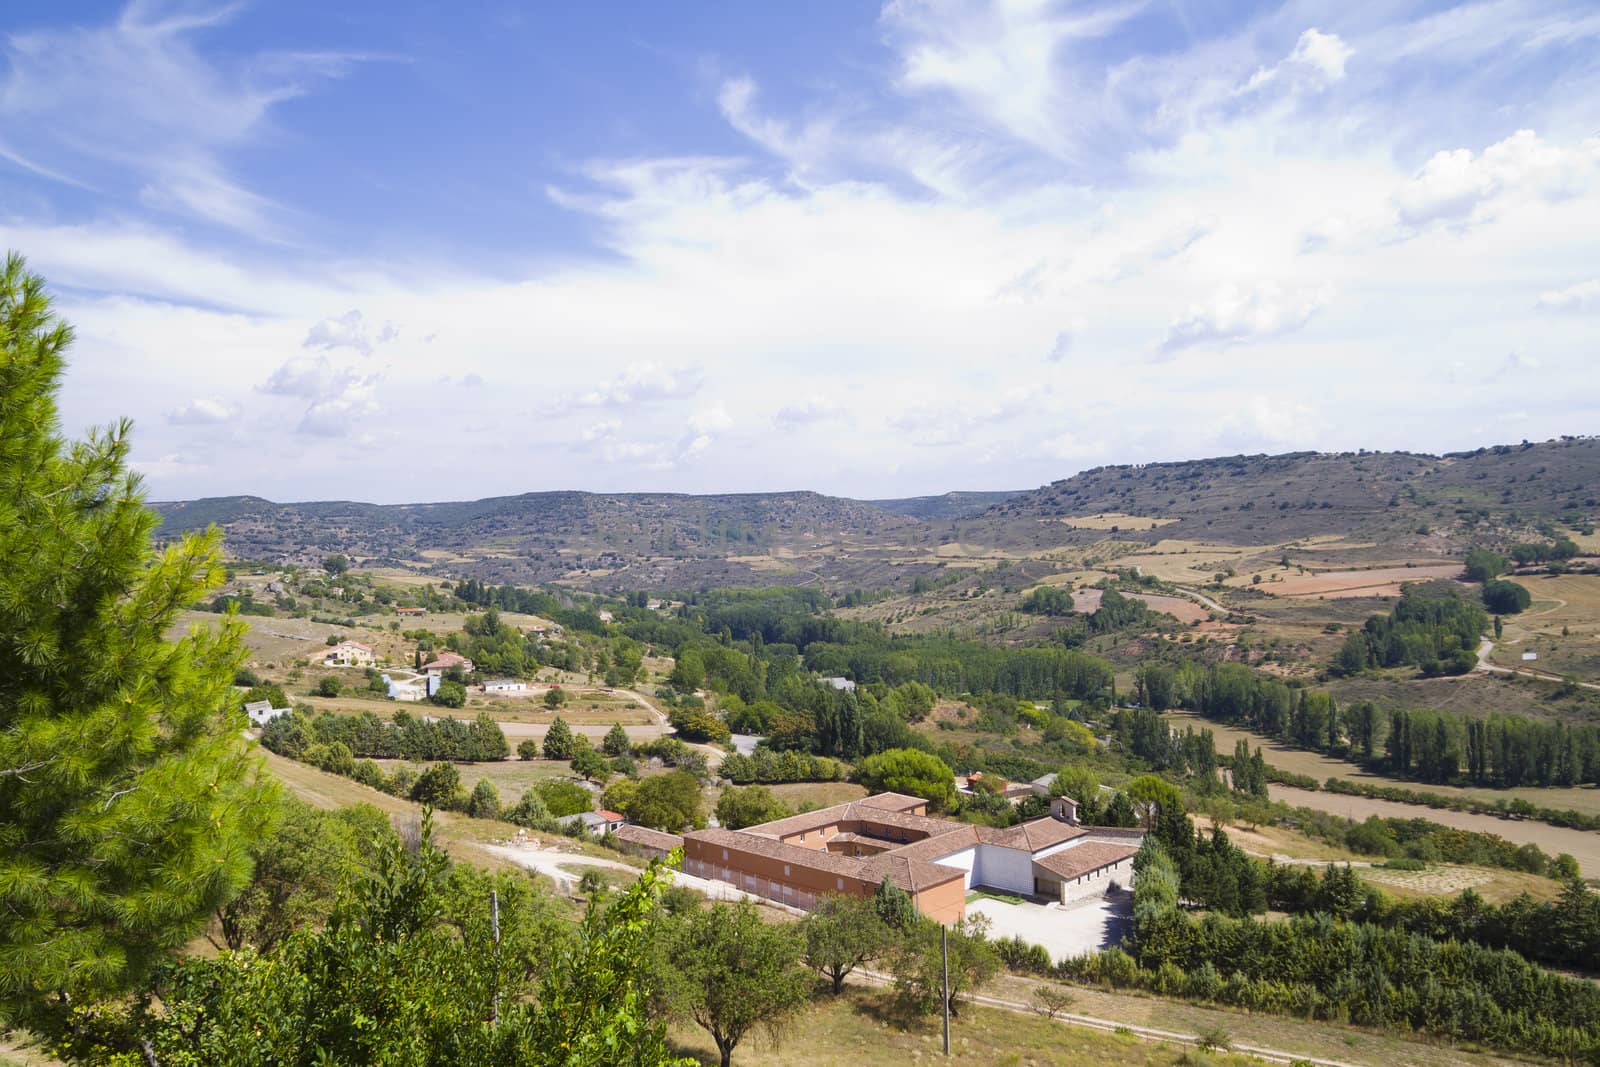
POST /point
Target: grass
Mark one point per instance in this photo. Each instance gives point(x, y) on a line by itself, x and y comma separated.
point(993, 894)
point(861, 1026)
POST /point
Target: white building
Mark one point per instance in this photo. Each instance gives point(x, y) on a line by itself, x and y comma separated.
point(262, 712)
point(504, 685)
point(349, 654)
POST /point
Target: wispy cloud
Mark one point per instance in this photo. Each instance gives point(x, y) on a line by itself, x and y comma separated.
point(1235, 314)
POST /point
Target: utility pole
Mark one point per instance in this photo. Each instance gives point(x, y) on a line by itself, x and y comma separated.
point(944, 960)
point(494, 929)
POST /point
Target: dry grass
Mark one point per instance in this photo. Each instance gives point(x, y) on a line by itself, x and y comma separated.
point(861, 1027)
point(1568, 602)
point(1113, 521)
point(1379, 581)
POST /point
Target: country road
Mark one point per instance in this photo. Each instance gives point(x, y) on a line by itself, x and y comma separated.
point(1484, 665)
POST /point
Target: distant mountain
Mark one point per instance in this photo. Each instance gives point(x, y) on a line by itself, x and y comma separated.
point(654, 537)
point(1396, 504)
point(956, 505)
point(1383, 496)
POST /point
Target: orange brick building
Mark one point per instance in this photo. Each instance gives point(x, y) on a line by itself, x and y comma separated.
point(852, 848)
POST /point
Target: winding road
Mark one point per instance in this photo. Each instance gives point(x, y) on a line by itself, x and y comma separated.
point(1487, 646)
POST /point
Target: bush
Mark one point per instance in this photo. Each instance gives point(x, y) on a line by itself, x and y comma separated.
point(328, 686)
point(450, 695)
point(1505, 598)
point(484, 803)
point(529, 749)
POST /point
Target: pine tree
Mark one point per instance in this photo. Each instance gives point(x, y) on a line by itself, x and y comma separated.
point(558, 741)
point(127, 799)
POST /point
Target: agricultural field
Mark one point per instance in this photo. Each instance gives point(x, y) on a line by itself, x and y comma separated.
point(1562, 625)
point(1378, 581)
point(1583, 845)
point(1113, 522)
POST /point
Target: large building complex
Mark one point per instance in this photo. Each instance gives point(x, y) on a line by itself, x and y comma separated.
point(851, 848)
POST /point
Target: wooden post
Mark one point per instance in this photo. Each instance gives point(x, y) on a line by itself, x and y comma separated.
point(944, 1001)
point(494, 929)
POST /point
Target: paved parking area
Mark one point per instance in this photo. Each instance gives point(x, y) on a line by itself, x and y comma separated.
point(1083, 926)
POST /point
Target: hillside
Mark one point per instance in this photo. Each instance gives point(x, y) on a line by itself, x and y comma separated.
point(1335, 509)
point(1382, 496)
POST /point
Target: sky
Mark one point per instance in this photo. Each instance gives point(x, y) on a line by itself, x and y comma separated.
point(387, 252)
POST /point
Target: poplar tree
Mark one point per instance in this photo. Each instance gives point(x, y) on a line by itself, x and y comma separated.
point(128, 800)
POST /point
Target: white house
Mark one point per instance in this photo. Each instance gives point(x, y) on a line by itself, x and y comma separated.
point(1529, 656)
point(504, 685)
point(844, 685)
point(262, 712)
point(349, 654)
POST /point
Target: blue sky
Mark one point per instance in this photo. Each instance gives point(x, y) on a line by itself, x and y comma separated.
point(393, 252)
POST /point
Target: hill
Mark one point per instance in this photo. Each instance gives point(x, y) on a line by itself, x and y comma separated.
point(1377, 506)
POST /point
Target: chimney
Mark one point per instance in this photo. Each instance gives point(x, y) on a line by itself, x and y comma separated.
point(1064, 809)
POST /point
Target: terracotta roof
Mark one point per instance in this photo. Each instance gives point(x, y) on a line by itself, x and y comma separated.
point(892, 801)
point(909, 874)
point(643, 835)
point(855, 811)
point(1086, 858)
point(608, 815)
point(1031, 836)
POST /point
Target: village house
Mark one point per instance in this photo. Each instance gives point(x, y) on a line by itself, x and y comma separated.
point(410, 611)
point(599, 822)
point(852, 847)
point(349, 654)
point(504, 685)
point(443, 661)
point(261, 712)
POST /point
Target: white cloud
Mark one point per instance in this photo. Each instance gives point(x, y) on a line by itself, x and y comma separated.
point(202, 411)
point(1579, 297)
point(336, 415)
point(644, 383)
point(1318, 59)
point(349, 330)
point(1457, 187)
point(143, 107)
point(308, 377)
point(1235, 314)
point(812, 409)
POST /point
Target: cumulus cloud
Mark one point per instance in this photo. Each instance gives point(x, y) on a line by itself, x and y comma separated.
point(202, 411)
point(308, 377)
point(1318, 59)
point(1584, 296)
point(1234, 314)
point(338, 396)
point(1456, 187)
point(644, 383)
point(812, 409)
point(350, 330)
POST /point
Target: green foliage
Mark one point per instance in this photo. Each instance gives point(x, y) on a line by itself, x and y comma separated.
point(731, 973)
point(1433, 627)
point(842, 933)
point(407, 973)
point(590, 765)
point(440, 786)
point(299, 869)
point(529, 748)
point(698, 725)
point(564, 798)
point(555, 697)
point(450, 695)
point(558, 740)
point(531, 812)
point(328, 686)
point(918, 964)
point(913, 772)
point(742, 806)
point(268, 691)
point(1505, 598)
point(616, 742)
point(484, 803)
point(1483, 565)
point(893, 906)
point(405, 736)
point(669, 802)
point(126, 798)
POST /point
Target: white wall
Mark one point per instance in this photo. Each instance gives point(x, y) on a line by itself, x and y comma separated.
point(966, 859)
point(1005, 868)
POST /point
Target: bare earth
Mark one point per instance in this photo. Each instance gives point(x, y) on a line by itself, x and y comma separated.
point(1385, 581)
